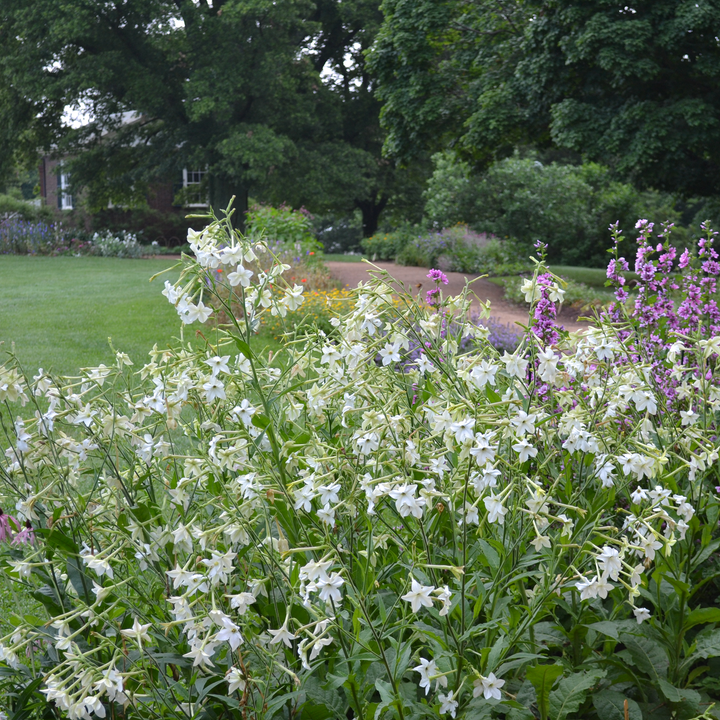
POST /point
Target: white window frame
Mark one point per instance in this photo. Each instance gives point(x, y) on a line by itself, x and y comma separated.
point(65, 199)
point(188, 183)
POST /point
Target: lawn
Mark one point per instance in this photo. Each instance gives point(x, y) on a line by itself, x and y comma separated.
point(61, 311)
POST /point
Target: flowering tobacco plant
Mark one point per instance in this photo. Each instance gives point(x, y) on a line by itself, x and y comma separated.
point(329, 532)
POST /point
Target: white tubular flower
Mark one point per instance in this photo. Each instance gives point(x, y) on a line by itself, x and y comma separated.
point(329, 588)
point(419, 596)
point(138, 632)
point(641, 614)
point(282, 635)
point(488, 686)
point(525, 450)
point(241, 276)
point(448, 704)
point(496, 510)
point(235, 680)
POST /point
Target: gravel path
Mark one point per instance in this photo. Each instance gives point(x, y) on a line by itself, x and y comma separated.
point(415, 280)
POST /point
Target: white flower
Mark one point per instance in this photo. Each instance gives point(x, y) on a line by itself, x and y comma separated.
point(540, 542)
point(496, 511)
point(424, 365)
point(547, 365)
point(241, 601)
point(427, 669)
point(282, 635)
point(641, 614)
point(138, 632)
point(419, 596)
point(330, 588)
point(235, 680)
point(531, 290)
point(638, 495)
point(218, 364)
point(390, 354)
point(193, 313)
point(448, 704)
point(406, 502)
point(463, 430)
point(524, 423)
point(201, 654)
point(515, 366)
point(445, 596)
point(230, 632)
point(525, 450)
point(488, 686)
point(241, 276)
point(611, 562)
point(483, 374)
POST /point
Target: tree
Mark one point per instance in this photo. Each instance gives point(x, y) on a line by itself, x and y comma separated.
point(631, 86)
point(232, 86)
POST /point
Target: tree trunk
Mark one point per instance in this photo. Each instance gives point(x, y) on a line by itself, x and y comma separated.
point(371, 210)
point(221, 190)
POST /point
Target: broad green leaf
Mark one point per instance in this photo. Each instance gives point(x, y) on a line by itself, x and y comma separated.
point(707, 644)
point(543, 677)
point(614, 628)
point(570, 693)
point(701, 616)
point(610, 705)
point(647, 655)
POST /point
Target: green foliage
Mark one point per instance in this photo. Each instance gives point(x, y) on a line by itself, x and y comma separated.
point(630, 86)
point(388, 245)
point(271, 98)
point(10, 205)
point(569, 207)
point(283, 226)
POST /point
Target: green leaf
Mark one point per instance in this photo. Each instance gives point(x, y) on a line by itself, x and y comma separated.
point(490, 554)
point(543, 677)
point(260, 421)
point(647, 655)
point(244, 348)
point(613, 628)
point(707, 644)
point(700, 616)
point(570, 693)
point(79, 580)
point(610, 705)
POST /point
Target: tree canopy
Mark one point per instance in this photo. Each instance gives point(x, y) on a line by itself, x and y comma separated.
point(632, 86)
point(271, 96)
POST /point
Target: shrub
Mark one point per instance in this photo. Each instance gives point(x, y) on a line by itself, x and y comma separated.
point(283, 225)
point(335, 534)
point(387, 246)
point(567, 207)
point(459, 249)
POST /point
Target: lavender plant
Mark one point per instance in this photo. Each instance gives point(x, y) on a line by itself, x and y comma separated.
point(317, 534)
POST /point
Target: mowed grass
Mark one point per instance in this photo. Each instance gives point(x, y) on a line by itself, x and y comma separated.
point(60, 312)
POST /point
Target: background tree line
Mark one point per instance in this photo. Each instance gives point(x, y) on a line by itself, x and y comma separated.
point(340, 106)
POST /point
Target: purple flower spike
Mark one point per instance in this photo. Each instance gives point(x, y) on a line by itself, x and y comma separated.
point(438, 276)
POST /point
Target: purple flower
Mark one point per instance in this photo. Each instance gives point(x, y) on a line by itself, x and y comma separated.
point(438, 276)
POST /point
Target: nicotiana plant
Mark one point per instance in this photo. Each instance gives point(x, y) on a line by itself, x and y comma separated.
point(333, 531)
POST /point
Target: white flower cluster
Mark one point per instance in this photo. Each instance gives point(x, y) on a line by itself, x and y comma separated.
point(246, 515)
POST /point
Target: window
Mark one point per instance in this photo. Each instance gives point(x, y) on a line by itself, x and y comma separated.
point(194, 188)
point(65, 199)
